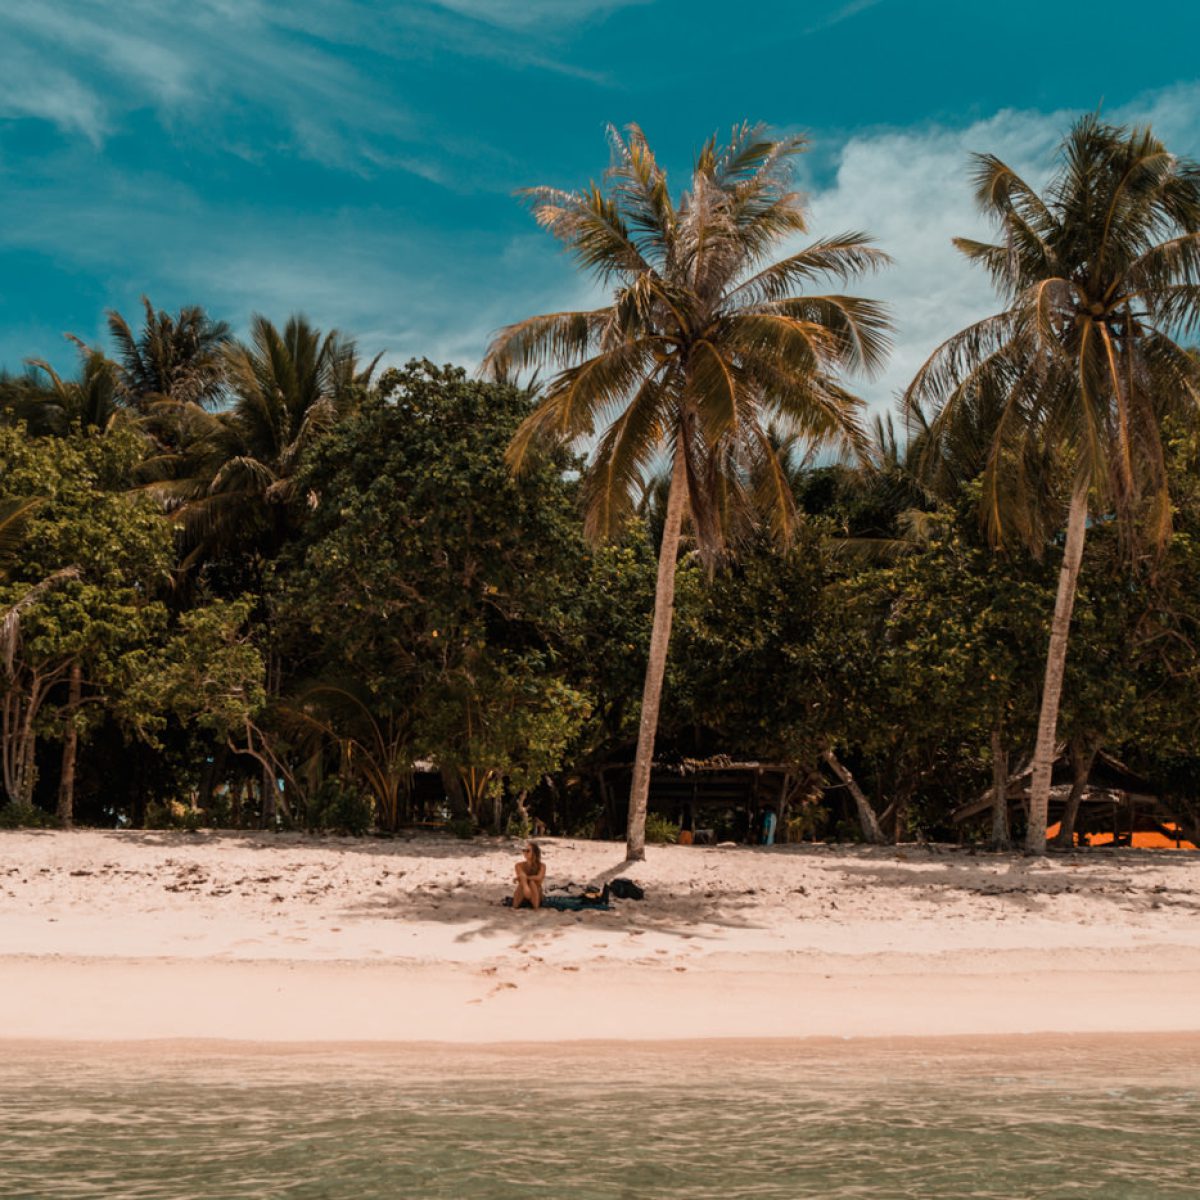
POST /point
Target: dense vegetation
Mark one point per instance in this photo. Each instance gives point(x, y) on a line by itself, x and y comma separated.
point(267, 583)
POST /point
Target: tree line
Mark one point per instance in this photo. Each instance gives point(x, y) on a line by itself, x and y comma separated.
point(259, 581)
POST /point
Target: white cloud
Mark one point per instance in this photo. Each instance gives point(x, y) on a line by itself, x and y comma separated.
point(911, 190)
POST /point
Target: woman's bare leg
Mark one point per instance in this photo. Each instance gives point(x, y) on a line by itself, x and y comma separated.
point(535, 893)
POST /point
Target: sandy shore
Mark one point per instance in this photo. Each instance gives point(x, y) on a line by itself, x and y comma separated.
point(118, 936)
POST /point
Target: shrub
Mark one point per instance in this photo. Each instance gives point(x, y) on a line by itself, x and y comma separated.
point(518, 827)
point(25, 816)
point(462, 827)
point(660, 829)
point(173, 815)
point(338, 807)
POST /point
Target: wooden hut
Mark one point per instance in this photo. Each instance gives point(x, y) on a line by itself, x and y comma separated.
point(1118, 807)
point(701, 795)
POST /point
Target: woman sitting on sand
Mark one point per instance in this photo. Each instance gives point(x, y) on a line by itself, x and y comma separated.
point(531, 875)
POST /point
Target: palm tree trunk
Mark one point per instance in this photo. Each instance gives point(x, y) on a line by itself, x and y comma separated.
point(66, 786)
point(1001, 839)
point(1056, 661)
point(660, 637)
point(1083, 754)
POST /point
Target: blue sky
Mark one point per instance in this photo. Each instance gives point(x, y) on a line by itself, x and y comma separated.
point(356, 161)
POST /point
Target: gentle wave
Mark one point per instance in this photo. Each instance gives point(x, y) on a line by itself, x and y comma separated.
point(261, 1129)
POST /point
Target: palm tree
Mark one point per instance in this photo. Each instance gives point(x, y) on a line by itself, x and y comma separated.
point(704, 345)
point(1072, 379)
point(178, 359)
point(236, 483)
point(91, 401)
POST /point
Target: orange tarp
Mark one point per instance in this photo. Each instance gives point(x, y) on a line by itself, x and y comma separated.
point(1141, 841)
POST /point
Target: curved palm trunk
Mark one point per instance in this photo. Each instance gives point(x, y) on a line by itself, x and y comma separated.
point(1056, 661)
point(660, 636)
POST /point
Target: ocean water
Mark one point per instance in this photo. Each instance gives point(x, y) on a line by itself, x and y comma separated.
point(1028, 1118)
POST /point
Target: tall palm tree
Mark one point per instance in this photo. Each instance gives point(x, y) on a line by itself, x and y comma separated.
point(704, 345)
point(235, 485)
point(1100, 275)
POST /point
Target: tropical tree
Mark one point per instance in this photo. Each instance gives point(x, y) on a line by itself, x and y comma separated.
point(177, 359)
point(1072, 380)
point(429, 608)
point(705, 344)
point(234, 486)
point(80, 597)
point(91, 401)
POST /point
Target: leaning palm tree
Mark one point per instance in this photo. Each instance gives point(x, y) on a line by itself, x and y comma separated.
point(1072, 380)
point(704, 345)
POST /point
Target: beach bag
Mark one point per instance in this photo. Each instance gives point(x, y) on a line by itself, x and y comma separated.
point(626, 889)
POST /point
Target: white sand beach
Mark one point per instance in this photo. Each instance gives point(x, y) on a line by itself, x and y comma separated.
point(285, 939)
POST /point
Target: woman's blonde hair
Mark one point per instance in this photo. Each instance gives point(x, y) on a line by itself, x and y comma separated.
point(537, 854)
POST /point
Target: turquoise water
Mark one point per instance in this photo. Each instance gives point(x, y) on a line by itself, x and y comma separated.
point(1028, 1120)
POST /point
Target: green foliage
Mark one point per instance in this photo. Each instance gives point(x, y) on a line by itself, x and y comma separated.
point(205, 672)
point(462, 828)
point(441, 585)
point(25, 816)
point(661, 830)
point(338, 807)
point(173, 815)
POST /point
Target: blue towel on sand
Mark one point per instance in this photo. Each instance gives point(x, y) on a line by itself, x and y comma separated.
point(562, 903)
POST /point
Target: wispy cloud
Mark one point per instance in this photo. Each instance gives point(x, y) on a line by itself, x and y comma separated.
point(844, 13)
point(330, 75)
point(528, 14)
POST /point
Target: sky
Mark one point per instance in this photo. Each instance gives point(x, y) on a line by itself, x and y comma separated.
point(357, 161)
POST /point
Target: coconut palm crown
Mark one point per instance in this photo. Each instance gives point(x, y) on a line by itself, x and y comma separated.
point(1066, 389)
point(233, 480)
point(1100, 276)
point(706, 343)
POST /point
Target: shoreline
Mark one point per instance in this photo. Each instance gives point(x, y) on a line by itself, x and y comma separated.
point(150, 938)
point(1173, 1044)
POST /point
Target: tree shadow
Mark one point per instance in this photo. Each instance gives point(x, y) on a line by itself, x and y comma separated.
point(1034, 883)
point(422, 846)
point(681, 915)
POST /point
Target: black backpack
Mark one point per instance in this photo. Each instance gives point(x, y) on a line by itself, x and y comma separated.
point(626, 889)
